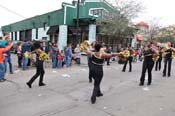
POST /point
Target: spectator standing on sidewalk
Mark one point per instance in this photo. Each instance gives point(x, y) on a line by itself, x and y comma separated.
point(59, 60)
point(19, 54)
point(53, 53)
point(78, 54)
point(9, 61)
point(25, 50)
point(68, 55)
point(2, 57)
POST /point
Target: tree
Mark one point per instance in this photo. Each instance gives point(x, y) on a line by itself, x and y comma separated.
point(120, 25)
point(166, 39)
point(154, 27)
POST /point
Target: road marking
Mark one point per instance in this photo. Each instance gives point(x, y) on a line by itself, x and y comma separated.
point(65, 75)
point(17, 71)
point(146, 89)
point(104, 107)
point(83, 69)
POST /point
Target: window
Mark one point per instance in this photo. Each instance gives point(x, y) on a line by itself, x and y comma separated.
point(15, 35)
point(44, 26)
point(36, 33)
point(96, 12)
point(11, 35)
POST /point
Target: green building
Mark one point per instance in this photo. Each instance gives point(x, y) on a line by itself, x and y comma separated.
point(60, 25)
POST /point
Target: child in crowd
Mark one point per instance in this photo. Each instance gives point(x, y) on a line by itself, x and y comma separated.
point(59, 60)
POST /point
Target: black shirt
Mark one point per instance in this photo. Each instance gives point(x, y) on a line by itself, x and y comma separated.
point(96, 60)
point(168, 53)
point(148, 54)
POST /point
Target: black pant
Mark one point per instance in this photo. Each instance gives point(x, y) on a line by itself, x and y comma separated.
point(130, 64)
point(39, 72)
point(158, 64)
point(97, 73)
point(90, 69)
point(19, 60)
point(167, 61)
point(147, 65)
point(108, 61)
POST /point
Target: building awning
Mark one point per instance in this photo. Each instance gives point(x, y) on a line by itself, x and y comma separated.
point(85, 20)
point(53, 30)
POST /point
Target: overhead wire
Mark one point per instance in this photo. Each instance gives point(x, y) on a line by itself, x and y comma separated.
point(11, 11)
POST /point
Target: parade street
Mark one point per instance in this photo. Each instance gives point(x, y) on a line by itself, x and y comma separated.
point(67, 93)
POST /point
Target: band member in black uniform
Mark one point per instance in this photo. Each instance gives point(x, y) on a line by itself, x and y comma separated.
point(158, 62)
point(148, 63)
point(130, 58)
point(97, 59)
point(91, 48)
point(39, 67)
point(168, 59)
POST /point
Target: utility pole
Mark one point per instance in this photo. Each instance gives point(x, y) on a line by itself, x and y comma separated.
point(77, 26)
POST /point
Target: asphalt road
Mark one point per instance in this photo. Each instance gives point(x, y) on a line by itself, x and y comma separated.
point(67, 93)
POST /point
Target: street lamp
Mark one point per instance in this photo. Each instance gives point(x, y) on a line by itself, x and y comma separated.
point(77, 26)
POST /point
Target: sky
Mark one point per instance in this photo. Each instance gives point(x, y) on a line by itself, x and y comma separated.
point(162, 10)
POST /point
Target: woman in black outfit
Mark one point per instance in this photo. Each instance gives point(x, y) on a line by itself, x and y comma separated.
point(97, 58)
point(148, 63)
point(39, 67)
point(158, 62)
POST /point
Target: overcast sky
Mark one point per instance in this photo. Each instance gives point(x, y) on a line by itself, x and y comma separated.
point(160, 9)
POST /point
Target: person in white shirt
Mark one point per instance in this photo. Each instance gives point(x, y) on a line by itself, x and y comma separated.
point(77, 54)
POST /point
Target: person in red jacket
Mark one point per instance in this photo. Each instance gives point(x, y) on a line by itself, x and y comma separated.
point(2, 57)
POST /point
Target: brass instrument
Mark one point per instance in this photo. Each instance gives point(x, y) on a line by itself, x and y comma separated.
point(164, 53)
point(84, 45)
point(27, 54)
point(173, 55)
point(124, 54)
point(165, 49)
point(155, 57)
point(42, 55)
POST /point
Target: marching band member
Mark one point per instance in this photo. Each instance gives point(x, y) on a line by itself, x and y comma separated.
point(130, 58)
point(158, 62)
point(167, 59)
point(90, 48)
point(148, 63)
point(97, 59)
point(39, 67)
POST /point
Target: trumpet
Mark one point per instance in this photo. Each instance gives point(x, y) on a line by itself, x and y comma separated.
point(84, 45)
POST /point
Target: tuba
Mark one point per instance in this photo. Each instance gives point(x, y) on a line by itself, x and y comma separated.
point(42, 55)
point(124, 54)
point(84, 45)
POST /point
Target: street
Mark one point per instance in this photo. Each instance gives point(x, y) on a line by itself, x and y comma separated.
point(67, 93)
